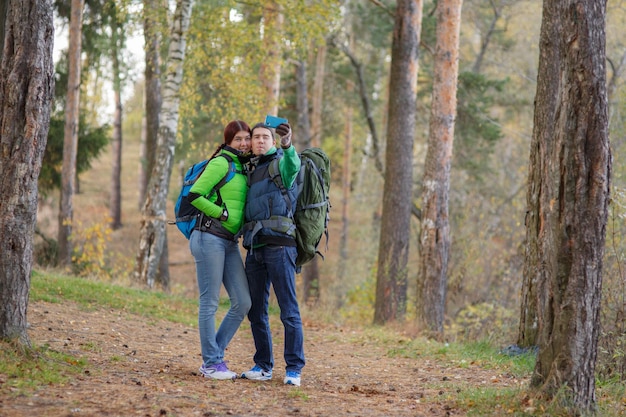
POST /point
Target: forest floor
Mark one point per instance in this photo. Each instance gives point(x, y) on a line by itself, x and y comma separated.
point(137, 366)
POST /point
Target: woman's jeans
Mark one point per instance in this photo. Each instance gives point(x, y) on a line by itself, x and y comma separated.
point(275, 265)
point(218, 261)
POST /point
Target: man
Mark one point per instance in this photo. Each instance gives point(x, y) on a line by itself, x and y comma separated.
point(269, 236)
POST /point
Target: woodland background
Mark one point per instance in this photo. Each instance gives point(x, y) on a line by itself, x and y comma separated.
point(498, 68)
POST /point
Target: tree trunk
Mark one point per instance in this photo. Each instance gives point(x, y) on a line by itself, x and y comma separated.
point(26, 93)
point(3, 14)
point(345, 190)
point(568, 195)
point(153, 233)
point(393, 252)
point(318, 94)
point(435, 224)
point(310, 272)
point(115, 205)
point(70, 138)
point(270, 68)
point(153, 99)
point(487, 36)
point(302, 138)
point(142, 174)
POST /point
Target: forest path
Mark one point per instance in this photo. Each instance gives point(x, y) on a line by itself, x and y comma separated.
point(138, 366)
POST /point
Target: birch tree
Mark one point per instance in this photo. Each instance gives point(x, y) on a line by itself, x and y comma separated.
point(153, 223)
point(26, 92)
point(435, 223)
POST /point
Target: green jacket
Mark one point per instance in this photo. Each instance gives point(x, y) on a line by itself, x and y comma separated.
point(233, 192)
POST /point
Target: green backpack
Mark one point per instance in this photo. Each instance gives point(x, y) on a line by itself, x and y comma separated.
point(312, 215)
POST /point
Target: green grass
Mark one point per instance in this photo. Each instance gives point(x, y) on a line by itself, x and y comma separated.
point(94, 294)
point(23, 370)
point(26, 369)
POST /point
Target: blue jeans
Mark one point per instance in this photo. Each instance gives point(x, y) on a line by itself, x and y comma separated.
point(218, 261)
point(275, 265)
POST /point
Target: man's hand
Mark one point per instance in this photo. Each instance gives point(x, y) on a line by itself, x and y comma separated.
point(284, 131)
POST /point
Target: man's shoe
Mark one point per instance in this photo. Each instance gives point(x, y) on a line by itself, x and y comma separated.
point(257, 374)
point(292, 378)
point(217, 371)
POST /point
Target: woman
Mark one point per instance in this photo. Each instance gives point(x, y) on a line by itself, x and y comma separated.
point(215, 249)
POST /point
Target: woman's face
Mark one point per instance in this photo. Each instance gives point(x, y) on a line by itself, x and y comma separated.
point(241, 141)
point(262, 141)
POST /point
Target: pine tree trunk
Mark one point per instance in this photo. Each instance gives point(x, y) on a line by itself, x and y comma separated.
point(435, 224)
point(153, 234)
point(393, 252)
point(310, 272)
point(115, 205)
point(568, 196)
point(70, 138)
point(317, 95)
point(345, 192)
point(271, 66)
point(26, 93)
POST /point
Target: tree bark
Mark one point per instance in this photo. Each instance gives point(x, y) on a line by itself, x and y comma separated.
point(310, 272)
point(568, 195)
point(115, 205)
point(3, 14)
point(302, 138)
point(318, 94)
point(271, 66)
point(435, 224)
point(153, 99)
point(391, 278)
point(153, 233)
point(70, 138)
point(26, 92)
point(345, 190)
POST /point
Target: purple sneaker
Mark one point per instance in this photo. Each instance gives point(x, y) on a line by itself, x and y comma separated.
point(217, 371)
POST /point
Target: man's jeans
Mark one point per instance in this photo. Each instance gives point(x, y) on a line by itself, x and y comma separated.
point(218, 260)
point(275, 265)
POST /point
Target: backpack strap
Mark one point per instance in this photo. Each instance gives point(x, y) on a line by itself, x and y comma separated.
point(230, 174)
point(274, 173)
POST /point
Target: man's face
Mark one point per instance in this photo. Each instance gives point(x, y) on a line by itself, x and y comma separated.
point(262, 141)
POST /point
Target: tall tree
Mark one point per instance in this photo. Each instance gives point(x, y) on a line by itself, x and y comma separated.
point(346, 173)
point(153, 98)
point(118, 39)
point(26, 92)
point(310, 272)
point(393, 253)
point(153, 233)
point(70, 140)
point(271, 67)
point(568, 195)
point(318, 94)
point(435, 224)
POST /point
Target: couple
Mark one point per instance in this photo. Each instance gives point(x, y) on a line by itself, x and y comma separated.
point(251, 202)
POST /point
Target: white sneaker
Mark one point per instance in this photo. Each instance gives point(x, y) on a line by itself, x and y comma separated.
point(292, 378)
point(257, 374)
point(217, 371)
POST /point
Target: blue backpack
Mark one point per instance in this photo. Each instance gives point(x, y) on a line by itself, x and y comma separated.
point(186, 214)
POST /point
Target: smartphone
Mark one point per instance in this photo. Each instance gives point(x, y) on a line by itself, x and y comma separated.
point(274, 121)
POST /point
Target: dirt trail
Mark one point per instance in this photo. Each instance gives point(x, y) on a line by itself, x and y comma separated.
point(141, 367)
